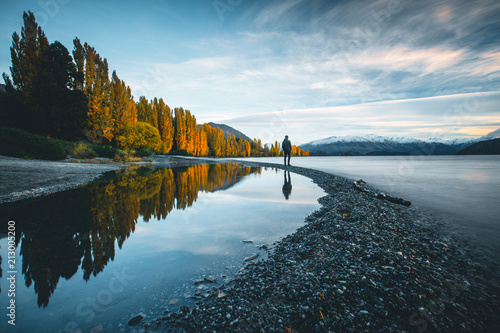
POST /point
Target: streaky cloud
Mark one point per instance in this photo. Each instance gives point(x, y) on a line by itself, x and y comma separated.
point(451, 116)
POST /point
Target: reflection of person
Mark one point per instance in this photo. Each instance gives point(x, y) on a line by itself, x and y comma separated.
point(287, 148)
point(287, 186)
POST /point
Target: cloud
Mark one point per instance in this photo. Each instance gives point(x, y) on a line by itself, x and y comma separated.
point(314, 68)
point(444, 13)
point(423, 61)
point(444, 116)
point(332, 55)
point(269, 64)
point(488, 63)
point(275, 12)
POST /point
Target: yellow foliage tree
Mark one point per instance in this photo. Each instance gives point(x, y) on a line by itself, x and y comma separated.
point(138, 136)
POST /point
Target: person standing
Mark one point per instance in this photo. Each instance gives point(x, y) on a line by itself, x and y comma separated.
point(287, 148)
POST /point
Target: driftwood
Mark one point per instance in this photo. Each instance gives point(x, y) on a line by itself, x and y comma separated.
point(380, 195)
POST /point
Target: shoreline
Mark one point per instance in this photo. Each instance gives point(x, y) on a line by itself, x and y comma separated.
point(27, 179)
point(359, 263)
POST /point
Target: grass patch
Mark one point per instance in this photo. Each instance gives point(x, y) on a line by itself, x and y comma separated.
point(144, 152)
point(81, 150)
point(180, 152)
point(18, 143)
point(107, 151)
point(126, 157)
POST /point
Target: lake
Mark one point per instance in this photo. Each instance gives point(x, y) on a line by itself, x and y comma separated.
point(140, 240)
point(463, 190)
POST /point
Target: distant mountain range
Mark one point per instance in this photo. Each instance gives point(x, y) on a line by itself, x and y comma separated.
point(382, 145)
point(489, 147)
point(233, 131)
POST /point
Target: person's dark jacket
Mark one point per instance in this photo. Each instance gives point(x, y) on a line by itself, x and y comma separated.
point(286, 146)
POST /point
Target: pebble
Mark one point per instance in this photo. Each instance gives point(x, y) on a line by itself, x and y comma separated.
point(211, 279)
point(252, 257)
point(135, 320)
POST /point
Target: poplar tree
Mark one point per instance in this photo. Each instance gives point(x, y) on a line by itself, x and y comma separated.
point(79, 58)
point(145, 112)
point(203, 149)
point(180, 141)
point(220, 142)
point(248, 148)
point(59, 109)
point(122, 106)
point(244, 149)
point(96, 86)
point(28, 53)
point(232, 145)
point(210, 133)
point(165, 124)
point(216, 141)
point(41, 97)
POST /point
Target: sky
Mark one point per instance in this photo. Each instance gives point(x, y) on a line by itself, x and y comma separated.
point(309, 69)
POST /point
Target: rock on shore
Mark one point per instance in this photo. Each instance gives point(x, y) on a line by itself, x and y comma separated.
point(359, 264)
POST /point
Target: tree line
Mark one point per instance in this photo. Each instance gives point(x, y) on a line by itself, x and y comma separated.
point(72, 96)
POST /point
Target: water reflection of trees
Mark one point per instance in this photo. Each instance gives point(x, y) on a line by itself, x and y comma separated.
point(65, 231)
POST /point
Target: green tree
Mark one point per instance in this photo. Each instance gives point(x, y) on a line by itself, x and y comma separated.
point(79, 58)
point(59, 64)
point(145, 112)
point(58, 108)
point(256, 147)
point(42, 97)
point(138, 136)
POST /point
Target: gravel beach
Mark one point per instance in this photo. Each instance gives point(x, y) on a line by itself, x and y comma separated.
point(361, 263)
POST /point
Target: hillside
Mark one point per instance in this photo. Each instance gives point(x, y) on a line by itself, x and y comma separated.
point(490, 147)
point(374, 145)
point(382, 146)
point(233, 131)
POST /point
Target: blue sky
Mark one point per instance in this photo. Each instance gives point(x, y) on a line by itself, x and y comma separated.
point(306, 68)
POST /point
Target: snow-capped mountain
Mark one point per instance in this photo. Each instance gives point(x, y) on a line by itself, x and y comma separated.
point(453, 141)
point(382, 145)
point(365, 138)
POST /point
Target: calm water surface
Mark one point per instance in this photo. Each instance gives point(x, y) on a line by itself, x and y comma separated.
point(91, 258)
point(463, 190)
